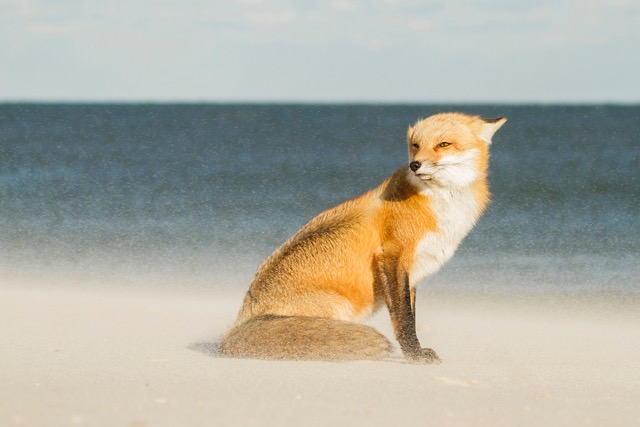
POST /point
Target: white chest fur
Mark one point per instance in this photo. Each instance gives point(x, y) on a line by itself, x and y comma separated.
point(456, 212)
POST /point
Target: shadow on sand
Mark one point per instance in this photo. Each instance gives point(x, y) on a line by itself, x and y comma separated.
point(209, 348)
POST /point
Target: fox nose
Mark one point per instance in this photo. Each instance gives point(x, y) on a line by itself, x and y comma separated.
point(414, 166)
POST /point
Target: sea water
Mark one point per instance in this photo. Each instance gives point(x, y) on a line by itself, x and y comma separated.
point(198, 195)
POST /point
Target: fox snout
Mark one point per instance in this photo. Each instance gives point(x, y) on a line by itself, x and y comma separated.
point(424, 167)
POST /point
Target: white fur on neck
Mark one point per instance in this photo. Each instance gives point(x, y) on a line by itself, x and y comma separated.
point(456, 212)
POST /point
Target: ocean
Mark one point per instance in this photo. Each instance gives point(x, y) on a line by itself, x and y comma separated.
point(198, 195)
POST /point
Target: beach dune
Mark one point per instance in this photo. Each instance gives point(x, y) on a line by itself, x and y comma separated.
point(73, 356)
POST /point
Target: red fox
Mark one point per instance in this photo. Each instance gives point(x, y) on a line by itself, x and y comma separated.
point(307, 298)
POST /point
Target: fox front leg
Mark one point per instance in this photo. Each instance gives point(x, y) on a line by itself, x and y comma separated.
point(426, 355)
point(400, 299)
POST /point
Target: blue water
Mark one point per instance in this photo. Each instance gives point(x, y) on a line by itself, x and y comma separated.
point(198, 195)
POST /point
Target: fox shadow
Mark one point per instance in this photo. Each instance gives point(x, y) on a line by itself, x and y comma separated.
point(208, 348)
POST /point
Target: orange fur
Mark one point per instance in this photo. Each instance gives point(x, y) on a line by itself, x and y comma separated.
point(350, 260)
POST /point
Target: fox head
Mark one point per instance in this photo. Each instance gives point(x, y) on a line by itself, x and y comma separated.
point(451, 149)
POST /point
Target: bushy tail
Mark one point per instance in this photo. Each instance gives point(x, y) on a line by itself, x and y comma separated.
point(308, 338)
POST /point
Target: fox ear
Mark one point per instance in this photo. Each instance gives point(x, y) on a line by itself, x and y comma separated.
point(489, 128)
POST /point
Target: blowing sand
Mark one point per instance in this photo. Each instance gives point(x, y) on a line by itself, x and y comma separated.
point(143, 358)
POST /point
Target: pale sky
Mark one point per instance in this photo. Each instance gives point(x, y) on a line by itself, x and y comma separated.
point(326, 51)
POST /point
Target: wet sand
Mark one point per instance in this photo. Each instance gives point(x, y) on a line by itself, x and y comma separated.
point(143, 358)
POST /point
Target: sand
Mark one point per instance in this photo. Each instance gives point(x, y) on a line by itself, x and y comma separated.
point(73, 356)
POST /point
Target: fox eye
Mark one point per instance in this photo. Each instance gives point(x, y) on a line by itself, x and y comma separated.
point(416, 146)
point(443, 144)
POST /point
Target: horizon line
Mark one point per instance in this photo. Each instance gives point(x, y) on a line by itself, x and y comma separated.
point(313, 102)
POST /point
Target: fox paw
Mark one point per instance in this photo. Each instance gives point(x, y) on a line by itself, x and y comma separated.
point(426, 356)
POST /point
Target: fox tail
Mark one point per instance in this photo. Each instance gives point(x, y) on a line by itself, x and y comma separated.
point(307, 338)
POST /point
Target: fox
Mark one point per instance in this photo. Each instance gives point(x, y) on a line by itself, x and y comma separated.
point(308, 297)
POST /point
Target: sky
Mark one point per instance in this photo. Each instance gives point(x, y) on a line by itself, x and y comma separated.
point(379, 51)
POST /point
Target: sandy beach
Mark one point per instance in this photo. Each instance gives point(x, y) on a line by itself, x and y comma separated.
point(92, 357)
